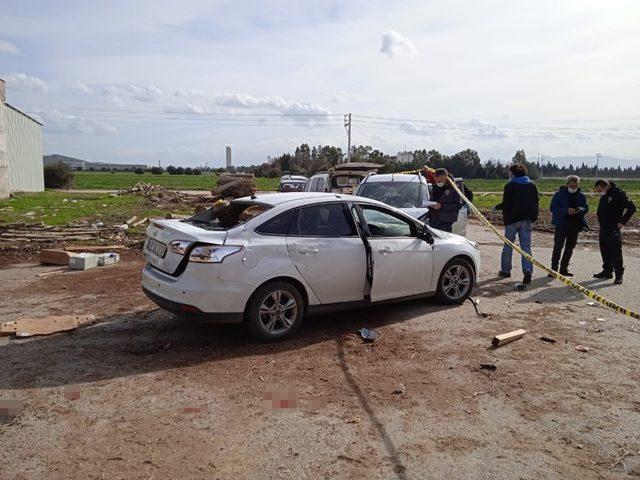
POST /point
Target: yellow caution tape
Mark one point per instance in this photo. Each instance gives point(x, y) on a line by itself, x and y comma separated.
point(585, 291)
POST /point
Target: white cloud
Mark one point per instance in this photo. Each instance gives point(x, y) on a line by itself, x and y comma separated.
point(22, 81)
point(80, 87)
point(8, 48)
point(140, 93)
point(66, 123)
point(394, 44)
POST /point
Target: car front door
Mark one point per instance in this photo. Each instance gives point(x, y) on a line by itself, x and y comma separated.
point(328, 252)
point(402, 262)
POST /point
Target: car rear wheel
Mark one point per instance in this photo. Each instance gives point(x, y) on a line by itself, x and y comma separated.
point(456, 282)
point(274, 311)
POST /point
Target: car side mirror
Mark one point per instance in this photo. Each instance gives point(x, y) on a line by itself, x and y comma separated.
point(425, 235)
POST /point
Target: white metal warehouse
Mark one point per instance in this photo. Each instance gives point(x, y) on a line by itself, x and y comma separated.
point(20, 150)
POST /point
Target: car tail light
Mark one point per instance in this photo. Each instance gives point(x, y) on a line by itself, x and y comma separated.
point(212, 253)
point(179, 246)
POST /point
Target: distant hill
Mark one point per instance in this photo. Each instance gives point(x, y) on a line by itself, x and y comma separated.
point(79, 164)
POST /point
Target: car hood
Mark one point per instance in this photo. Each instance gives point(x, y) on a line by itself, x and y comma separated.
point(415, 212)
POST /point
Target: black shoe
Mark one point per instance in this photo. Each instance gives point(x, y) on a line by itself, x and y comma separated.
point(603, 274)
point(618, 280)
point(504, 274)
point(566, 273)
point(527, 278)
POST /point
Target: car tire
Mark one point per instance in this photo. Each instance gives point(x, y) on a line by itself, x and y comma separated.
point(274, 311)
point(456, 282)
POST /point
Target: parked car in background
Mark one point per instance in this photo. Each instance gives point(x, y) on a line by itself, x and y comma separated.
point(269, 260)
point(318, 183)
point(291, 185)
point(293, 177)
point(408, 192)
point(343, 178)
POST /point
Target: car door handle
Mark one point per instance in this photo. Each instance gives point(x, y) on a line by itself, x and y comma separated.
point(386, 250)
point(304, 251)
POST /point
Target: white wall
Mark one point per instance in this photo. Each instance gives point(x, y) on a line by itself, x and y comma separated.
point(24, 150)
point(4, 160)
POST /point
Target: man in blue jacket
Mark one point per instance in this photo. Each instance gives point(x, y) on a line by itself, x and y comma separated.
point(568, 207)
point(444, 213)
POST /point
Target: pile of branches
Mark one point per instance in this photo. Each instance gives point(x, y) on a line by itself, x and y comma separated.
point(39, 234)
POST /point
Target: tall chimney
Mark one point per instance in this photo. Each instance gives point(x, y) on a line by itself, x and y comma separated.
point(228, 149)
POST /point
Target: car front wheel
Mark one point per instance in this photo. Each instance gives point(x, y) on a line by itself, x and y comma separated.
point(456, 282)
point(274, 311)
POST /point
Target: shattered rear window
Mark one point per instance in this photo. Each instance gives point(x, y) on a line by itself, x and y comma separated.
point(227, 215)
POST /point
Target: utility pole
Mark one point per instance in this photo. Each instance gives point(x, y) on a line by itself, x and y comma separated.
point(347, 126)
point(598, 157)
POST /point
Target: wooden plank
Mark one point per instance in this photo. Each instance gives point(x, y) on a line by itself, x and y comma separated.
point(27, 327)
point(94, 248)
point(53, 272)
point(140, 222)
point(53, 256)
point(131, 220)
point(503, 339)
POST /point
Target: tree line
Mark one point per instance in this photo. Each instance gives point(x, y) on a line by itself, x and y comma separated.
point(308, 160)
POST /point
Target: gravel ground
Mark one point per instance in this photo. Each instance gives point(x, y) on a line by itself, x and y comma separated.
point(143, 394)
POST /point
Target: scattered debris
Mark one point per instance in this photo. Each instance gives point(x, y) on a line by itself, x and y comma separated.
point(538, 301)
point(592, 304)
point(108, 258)
point(369, 335)
point(600, 319)
point(503, 339)
point(475, 394)
point(475, 303)
point(83, 261)
point(582, 322)
point(27, 327)
point(400, 389)
point(50, 256)
point(140, 222)
point(354, 420)
point(488, 366)
point(94, 248)
point(131, 220)
point(547, 340)
point(582, 348)
point(520, 287)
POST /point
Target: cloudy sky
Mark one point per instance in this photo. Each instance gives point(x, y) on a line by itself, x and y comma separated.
point(138, 81)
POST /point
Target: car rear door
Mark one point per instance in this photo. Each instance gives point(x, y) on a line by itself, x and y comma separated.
point(328, 252)
point(402, 262)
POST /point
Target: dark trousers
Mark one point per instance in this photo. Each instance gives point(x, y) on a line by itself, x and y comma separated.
point(566, 237)
point(445, 227)
point(611, 251)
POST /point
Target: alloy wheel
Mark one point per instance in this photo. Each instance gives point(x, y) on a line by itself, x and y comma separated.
point(456, 282)
point(278, 312)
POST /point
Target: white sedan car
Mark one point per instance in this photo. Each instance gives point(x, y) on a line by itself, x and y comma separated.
point(269, 260)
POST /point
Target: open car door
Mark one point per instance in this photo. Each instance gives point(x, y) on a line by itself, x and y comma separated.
point(402, 262)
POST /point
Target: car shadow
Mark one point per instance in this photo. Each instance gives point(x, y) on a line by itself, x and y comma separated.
point(135, 343)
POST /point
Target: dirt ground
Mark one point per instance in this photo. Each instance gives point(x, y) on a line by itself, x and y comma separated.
point(143, 394)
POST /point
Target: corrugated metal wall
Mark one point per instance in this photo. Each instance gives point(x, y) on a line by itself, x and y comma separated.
point(24, 149)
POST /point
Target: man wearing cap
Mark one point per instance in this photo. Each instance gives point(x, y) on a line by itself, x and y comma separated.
point(614, 211)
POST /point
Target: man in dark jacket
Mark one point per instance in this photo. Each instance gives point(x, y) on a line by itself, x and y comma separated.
point(520, 207)
point(568, 207)
point(614, 211)
point(444, 213)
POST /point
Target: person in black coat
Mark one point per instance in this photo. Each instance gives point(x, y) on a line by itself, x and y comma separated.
point(520, 208)
point(568, 207)
point(444, 213)
point(614, 211)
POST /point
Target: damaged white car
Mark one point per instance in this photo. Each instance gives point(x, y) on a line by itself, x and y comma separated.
point(267, 261)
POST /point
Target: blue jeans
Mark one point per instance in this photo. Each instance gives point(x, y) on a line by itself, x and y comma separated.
point(523, 229)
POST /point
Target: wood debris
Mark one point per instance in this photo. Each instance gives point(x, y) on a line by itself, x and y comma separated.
point(27, 327)
point(503, 339)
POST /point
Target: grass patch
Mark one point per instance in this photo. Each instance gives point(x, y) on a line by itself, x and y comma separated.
point(546, 185)
point(60, 208)
point(491, 200)
point(124, 180)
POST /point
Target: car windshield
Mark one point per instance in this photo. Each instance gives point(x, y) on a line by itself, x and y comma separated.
point(396, 194)
point(226, 215)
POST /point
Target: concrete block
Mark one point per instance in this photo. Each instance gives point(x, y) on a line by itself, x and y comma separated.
point(108, 258)
point(83, 261)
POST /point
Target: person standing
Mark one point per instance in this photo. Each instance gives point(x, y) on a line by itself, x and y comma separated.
point(614, 211)
point(568, 207)
point(520, 208)
point(445, 212)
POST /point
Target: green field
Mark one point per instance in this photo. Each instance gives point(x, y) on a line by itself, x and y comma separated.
point(124, 180)
point(59, 208)
point(545, 185)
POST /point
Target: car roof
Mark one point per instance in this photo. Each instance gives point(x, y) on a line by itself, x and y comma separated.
point(395, 177)
point(293, 180)
point(306, 198)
